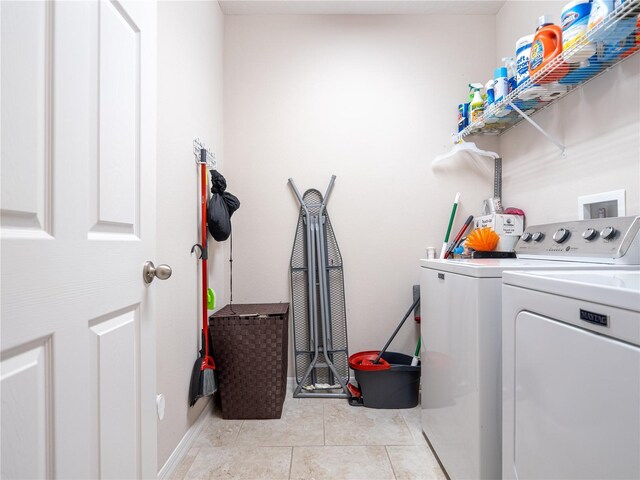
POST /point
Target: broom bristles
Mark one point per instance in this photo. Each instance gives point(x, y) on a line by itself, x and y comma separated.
point(208, 382)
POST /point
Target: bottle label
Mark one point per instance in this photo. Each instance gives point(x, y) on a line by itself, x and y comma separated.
point(476, 114)
point(463, 116)
point(569, 18)
point(522, 63)
point(598, 12)
point(574, 24)
point(537, 54)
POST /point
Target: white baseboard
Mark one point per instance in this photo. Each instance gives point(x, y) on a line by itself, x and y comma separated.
point(185, 444)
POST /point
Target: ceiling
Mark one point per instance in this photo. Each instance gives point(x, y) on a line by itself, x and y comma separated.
point(359, 7)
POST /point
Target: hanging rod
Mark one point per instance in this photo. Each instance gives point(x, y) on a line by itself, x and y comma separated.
point(198, 148)
point(540, 129)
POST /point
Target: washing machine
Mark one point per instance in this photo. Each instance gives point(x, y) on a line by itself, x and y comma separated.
point(571, 375)
point(461, 332)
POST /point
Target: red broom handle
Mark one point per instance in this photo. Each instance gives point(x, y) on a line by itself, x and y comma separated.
point(203, 234)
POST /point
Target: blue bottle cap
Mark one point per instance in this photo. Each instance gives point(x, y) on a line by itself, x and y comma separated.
point(500, 72)
point(458, 250)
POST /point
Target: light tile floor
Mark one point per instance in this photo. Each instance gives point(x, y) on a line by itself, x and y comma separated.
point(315, 439)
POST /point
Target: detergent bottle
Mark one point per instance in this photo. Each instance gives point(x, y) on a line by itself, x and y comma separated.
point(547, 45)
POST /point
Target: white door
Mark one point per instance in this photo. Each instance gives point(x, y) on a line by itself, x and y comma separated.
point(78, 223)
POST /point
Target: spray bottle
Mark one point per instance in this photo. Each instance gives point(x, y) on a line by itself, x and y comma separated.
point(490, 92)
point(510, 63)
point(477, 103)
point(472, 90)
point(501, 83)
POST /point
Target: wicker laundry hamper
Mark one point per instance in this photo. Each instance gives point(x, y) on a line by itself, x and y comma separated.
point(250, 346)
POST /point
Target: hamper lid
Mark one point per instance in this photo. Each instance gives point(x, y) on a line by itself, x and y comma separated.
point(256, 309)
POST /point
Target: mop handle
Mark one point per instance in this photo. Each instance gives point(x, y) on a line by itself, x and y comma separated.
point(451, 218)
point(384, 349)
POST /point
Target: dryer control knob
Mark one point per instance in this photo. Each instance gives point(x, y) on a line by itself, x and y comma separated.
point(561, 235)
point(608, 233)
point(538, 236)
point(589, 234)
point(526, 237)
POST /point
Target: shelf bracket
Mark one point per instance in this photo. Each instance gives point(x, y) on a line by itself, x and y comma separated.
point(540, 129)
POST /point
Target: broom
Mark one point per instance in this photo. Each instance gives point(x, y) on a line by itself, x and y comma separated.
point(203, 380)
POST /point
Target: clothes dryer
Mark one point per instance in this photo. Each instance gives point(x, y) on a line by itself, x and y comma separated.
point(461, 331)
point(571, 375)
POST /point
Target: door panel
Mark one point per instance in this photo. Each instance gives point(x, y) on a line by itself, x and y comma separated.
point(77, 226)
point(119, 93)
point(26, 114)
point(116, 352)
point(26, 412)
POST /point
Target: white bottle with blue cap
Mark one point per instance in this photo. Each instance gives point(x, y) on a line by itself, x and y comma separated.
point(501, 86)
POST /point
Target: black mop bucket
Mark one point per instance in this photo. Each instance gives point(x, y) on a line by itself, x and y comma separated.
point(390, 383)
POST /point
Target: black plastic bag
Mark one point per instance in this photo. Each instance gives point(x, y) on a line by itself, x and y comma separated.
point(221, 206)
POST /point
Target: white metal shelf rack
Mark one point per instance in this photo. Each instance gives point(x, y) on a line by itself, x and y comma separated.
point(616, 38)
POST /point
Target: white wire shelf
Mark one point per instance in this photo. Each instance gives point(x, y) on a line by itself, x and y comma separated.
point(616, 38)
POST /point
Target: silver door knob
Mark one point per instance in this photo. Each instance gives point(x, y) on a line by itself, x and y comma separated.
point(150, 271)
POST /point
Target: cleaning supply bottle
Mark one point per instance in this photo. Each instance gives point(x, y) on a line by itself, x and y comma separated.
point(463, 116)
point(612, 35)
point(501, 86)
point(477, 106)
point(547, 45)
point(510, 65)
point(489, 88)
point(599, 11)
point(575, 20)
point(523, 50)
point(472, 90)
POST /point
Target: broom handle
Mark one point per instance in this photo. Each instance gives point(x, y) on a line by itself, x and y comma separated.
point(203, 239)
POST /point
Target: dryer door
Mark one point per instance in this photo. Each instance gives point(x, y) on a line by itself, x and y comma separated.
point(577, 413)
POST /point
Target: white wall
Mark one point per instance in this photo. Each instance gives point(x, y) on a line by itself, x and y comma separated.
point(190, 42)
point(371, 99)
point(599, 124)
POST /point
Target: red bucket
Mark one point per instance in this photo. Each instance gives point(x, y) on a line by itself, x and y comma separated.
point(364, 361)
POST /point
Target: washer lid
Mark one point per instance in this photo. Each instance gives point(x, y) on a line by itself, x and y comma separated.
point(616, 288)
point(493, 267)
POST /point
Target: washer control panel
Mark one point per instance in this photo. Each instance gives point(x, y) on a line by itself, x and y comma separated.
point(599, 240)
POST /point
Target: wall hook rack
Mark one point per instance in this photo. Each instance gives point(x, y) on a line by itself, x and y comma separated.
point(209, 158)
